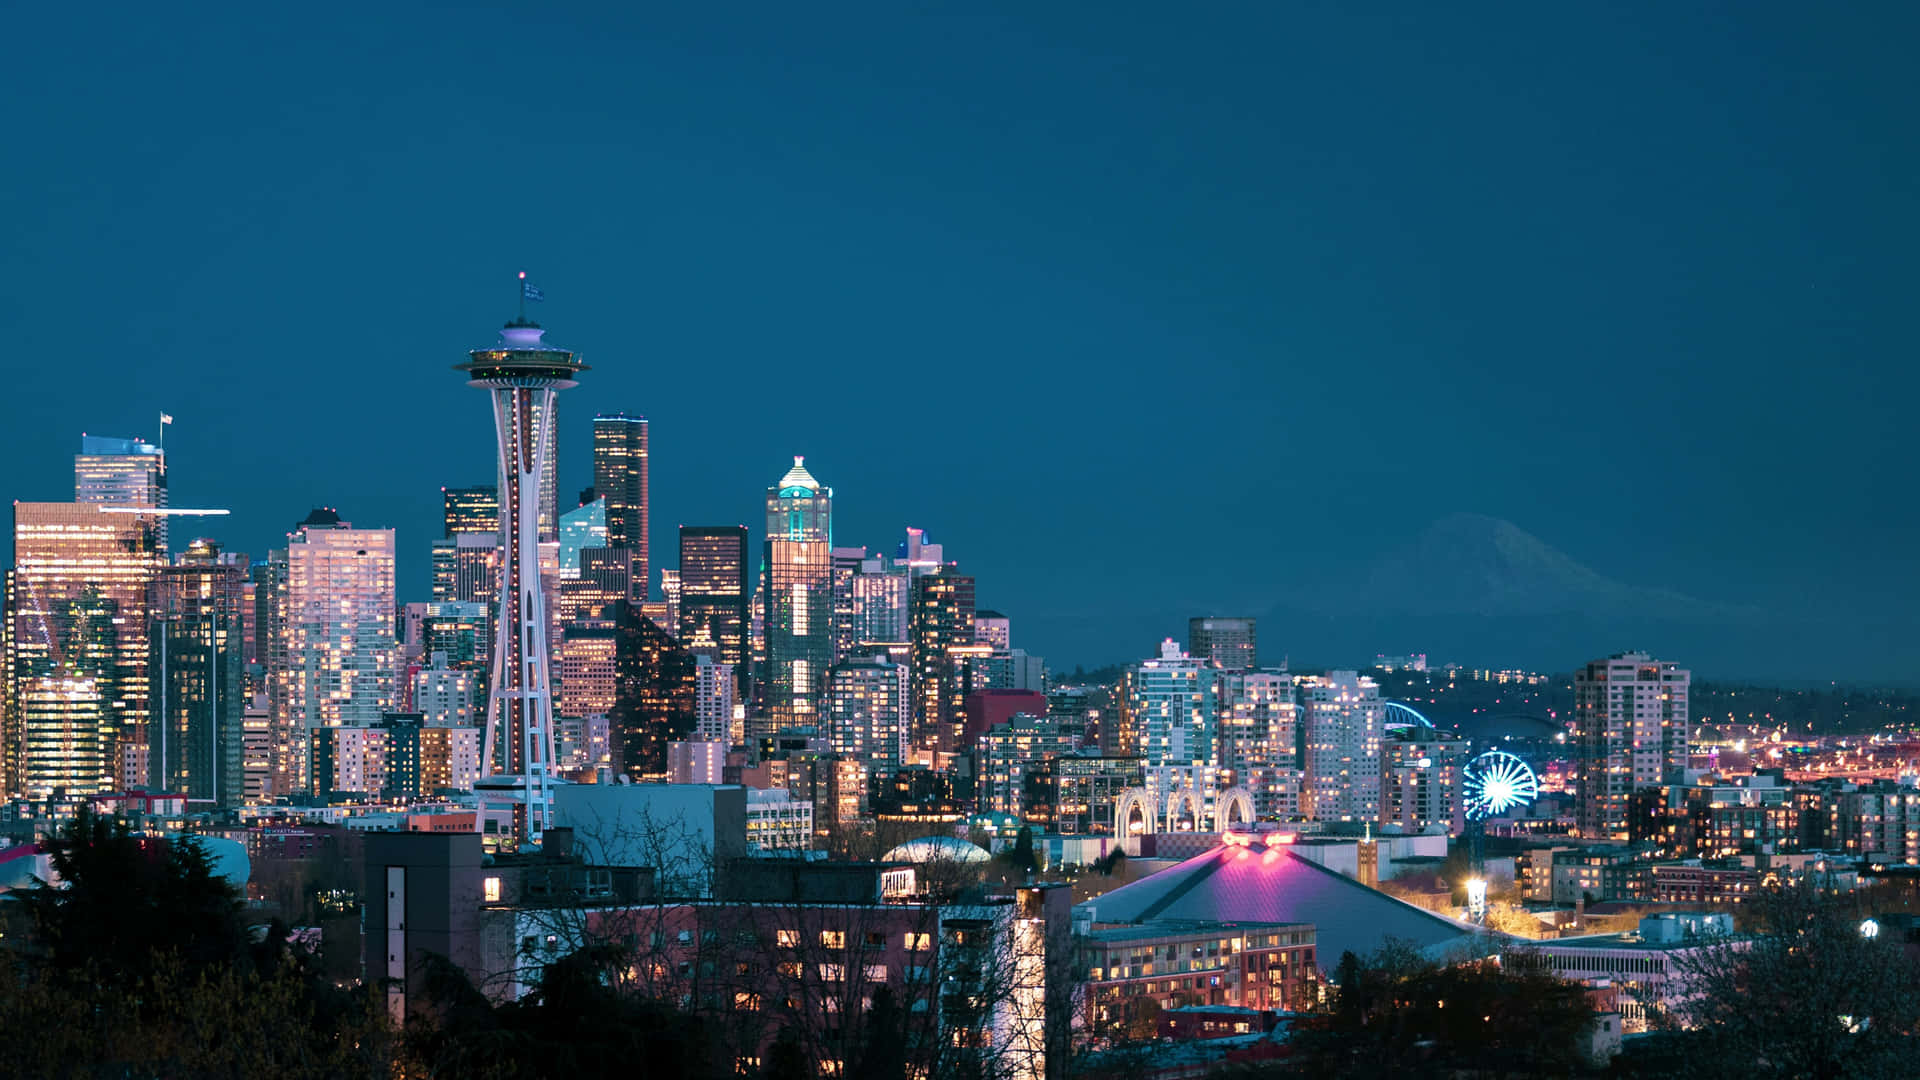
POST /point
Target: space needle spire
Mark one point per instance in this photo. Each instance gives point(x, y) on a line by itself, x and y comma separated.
point(521, 373)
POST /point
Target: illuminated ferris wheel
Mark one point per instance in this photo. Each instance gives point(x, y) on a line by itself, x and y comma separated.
point(1496, 782)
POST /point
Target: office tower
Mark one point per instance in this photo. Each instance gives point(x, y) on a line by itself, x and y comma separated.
point(1172, 709)
point(1257, 739)
point(256, 750)
point(585, 527)
point(522, 374)
point(713, 589)
point(1079, 793)
point(123, 472)
point(1227, 643)
point(917, 555)
point(195, 737)
point(82, 581)
point(460, 634)
point(713, 696)
point(798, 597)
point(882, 604)
point(941, 624)
point(870, 711)
point(342, 646)
point(270, 610)
point(1629, 732)
point(1341, 716)
point(588, 667)
point(1420, 780)
point(655, 696)
point(471, 510)
point(620, 477)
point(670, 595)
point(847, 562)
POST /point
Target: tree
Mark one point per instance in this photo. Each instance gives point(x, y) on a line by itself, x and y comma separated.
point(1806, 994)
point(1397, 1012)
point(125, 901)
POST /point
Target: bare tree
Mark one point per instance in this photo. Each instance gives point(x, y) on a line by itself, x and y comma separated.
point(1812, 991)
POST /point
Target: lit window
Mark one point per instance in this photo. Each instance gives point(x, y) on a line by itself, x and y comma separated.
point(490, 890)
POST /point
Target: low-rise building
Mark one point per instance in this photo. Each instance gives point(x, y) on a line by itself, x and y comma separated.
point(1177, 962)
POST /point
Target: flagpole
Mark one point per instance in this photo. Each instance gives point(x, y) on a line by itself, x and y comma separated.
point(163, 433)
point(523, 296)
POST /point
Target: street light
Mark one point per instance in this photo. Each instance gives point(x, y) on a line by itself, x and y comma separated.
point(1869, 929)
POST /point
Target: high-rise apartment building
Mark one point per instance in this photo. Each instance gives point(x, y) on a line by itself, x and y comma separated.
point(1226, 642)
point(799, 598)
point(285, 744)
point(942, 624)
point(713, 697)
point(1173, 709)
point(466, 569)
point(1342, 718)
point(449, 697)
point(882, 604)
point(1258, 723)
point(714, 594)
point(195, 739)
point(1629, 733)
point(342, 646)
point(846, 567)
point(1420, 780)
point(471, 510)
point(122, 472)
point(620, 477)
point(78, 649)
point(870, 711)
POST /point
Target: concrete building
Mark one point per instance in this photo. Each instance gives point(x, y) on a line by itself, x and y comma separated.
point(777, 822)
point(1342, 718)
point(1420, 781)
point(683, 830)
point(342, 647)
point(1647, 968)
point(1175, 962)
point(1629, 733)
point(713, 697)
point(1172, 708)
point(696, 762)
point(1257, 739)
point(870, 711)
point(1006, 752)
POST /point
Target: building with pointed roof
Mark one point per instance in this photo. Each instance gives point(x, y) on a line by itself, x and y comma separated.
point(1259, 879)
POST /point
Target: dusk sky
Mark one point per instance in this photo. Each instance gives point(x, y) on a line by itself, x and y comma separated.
point(1141, 310)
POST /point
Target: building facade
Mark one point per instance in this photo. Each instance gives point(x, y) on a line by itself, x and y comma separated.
point(620, 477)
point(799, 597)
point(342, 648)
point(1230, 643)
point(1629, 733)
point(1342, 717)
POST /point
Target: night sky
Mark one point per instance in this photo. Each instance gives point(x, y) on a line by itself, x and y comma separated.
point(1141, 310)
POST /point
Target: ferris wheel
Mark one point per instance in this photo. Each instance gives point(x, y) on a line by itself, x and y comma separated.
point(1496, 782)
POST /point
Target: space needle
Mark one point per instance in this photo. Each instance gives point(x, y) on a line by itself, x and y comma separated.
point(522, 373)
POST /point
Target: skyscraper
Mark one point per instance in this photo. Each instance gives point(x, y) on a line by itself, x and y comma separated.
point(122, 472)
point(942, 623)
point(342, 645)
point(1227, 642)
point(1257, 739)
point(1173, 708)
point(620, 477)
point(1629, 732)
point(870, 711)
point(581, 528)
point(714, 594)
point(1342, 718)
point(470, 510)
point(82, 583)
point(799, 597)
point(195, 738)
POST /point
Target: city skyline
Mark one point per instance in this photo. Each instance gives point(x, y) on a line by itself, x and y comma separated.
point(1252, 231)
